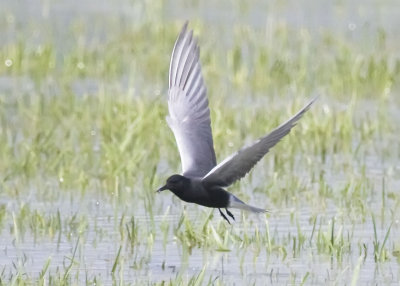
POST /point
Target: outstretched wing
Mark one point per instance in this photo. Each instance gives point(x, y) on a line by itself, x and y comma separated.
point(189, 115)
point(239, 164)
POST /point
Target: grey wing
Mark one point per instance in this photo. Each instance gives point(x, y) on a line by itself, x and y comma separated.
point(239, 164)
point(189, 115)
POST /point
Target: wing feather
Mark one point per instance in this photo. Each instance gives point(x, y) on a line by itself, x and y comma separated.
point(189, 115)
point(240, 163)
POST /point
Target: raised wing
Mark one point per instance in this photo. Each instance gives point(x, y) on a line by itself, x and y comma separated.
point(189, 115)
point(239, 164)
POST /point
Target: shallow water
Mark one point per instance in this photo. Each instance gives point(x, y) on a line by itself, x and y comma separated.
point(96, 253)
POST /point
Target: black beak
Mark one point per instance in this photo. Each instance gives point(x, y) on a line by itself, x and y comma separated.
point(162, 189)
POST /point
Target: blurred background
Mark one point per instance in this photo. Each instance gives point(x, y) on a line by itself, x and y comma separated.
point(84, 143)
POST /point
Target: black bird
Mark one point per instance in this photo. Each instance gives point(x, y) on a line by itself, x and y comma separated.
point(202, 180)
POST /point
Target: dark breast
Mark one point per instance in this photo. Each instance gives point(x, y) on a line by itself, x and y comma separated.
point(196, 192)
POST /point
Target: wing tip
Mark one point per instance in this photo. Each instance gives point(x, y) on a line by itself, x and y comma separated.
point(307, 106)
point(178, 40)
point(183, 29)
point(294, 120)
point(185, 24)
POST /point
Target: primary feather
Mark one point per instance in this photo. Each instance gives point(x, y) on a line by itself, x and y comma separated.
point(189, 115)
point(240, 163)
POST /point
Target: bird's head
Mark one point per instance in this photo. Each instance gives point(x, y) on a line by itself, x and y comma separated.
point(175, 183)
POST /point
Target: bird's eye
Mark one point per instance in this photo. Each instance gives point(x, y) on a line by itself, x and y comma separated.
point(173, 180)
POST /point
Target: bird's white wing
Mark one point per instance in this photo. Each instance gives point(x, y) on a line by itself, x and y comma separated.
point(189, 115)
point(239, 164)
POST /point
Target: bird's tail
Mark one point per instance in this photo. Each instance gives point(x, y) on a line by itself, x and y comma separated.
point(234, 202)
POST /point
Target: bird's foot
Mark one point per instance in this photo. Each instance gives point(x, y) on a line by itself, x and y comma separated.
point(224, 216)
point(230, 214)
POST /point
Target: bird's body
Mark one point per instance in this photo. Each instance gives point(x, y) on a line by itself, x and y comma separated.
point(202, 180)
point(196, 192)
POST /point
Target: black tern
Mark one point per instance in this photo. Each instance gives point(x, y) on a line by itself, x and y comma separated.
point(203, 181)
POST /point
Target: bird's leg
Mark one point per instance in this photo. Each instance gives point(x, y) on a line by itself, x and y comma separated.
point(230, 214)
point(224, 216)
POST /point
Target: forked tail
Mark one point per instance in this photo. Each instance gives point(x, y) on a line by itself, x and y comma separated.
point(234, 202)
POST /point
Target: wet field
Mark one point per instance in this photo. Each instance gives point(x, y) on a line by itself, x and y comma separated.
point(84, 143)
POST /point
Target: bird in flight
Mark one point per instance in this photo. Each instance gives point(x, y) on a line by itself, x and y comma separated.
point(202, 181)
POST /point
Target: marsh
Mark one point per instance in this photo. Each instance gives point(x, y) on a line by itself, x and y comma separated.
point(84, 143)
